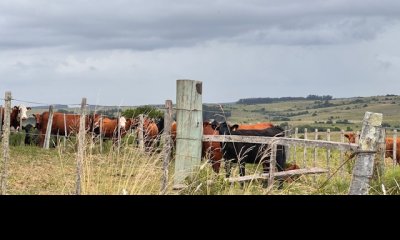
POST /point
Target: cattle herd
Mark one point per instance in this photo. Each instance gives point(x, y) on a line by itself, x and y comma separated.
point(112, 128)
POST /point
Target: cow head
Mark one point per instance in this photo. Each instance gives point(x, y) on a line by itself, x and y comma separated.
point(122, 122)
point(351, 137)
point(226, 129)
point(38, 120)
point(22, 111)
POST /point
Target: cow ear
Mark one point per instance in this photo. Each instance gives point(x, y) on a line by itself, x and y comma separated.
point(234, 127)
point(16, 107)
point(347, 135)
point(29, 108)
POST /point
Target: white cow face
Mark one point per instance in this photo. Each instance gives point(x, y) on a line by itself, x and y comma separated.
point(122, 122)
point(23, 112)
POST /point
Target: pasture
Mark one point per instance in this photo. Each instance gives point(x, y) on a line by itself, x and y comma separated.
point(34, 170)
point(127, 168)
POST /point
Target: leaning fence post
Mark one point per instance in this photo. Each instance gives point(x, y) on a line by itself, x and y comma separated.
point(48, 129)
point(189, 123)
point(167, 144)
point(341, 153)
point(394, 147)
point(81, 147)
point(363, 167)
point(6, 146)
point(328, 152)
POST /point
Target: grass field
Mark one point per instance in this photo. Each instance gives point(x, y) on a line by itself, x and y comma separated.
point(32, 170)
point(36, 171)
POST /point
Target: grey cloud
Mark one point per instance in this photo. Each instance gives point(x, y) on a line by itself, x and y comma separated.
point(145, 25)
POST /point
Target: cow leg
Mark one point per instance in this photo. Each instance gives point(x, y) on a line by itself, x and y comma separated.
point(41, 140)
point(242, 170)
point(216, 165)
point(265, 170)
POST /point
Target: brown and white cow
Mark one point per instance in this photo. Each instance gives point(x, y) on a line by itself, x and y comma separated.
point(17, 113)
point(110, 127)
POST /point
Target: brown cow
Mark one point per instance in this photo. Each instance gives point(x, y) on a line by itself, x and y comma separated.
point(58, 126)
point(211, 149)
point(255, 126)
point(17, 113)
point(150, 131)
point(110, 127)
point(388, 142)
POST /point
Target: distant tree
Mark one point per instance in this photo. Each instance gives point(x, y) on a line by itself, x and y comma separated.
point(148, 110)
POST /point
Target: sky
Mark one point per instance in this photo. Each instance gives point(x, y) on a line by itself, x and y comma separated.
point(131, 52)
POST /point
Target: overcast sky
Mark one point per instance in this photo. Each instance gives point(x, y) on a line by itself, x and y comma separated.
point(131, 52)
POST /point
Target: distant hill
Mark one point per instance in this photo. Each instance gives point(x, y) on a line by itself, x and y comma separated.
point(314, 111)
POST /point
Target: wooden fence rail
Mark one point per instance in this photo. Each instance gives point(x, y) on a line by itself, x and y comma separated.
point(281, 140)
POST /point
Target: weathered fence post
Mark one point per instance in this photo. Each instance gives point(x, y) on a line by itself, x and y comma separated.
point(394, 147)
point(296, 133)
point(272, 165)
point(140, 133)
point(167, 144)
point(1, 120)
point(189, 123)
point(81, 147)
point(119, 132)
point(48, 129)
point(65, 131)
point(341, 153)
point(363, 167)
point(6, 147)
point(328, 152)
point(305, 149)
point(380, 159)
point(101, 134)
point(315, 154)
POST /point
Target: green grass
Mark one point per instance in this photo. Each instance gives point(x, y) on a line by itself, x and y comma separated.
point(34, 171)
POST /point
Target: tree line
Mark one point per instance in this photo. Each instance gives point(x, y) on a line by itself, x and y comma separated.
point(283, 99)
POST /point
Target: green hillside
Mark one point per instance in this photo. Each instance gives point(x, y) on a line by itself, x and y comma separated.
point(343, 113)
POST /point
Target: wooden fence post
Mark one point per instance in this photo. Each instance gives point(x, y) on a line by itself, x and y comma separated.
point(272, 165)
point(380, 159)
point(341, 153)
point(315, 154)
point(189, 123)
point(394, 147)
point(101, 134)
point(65, 131)
point(328, 152)
point(167, 144)
point(6, 147)
point(119, 132)
point(296, 133)
point(140, 133)
point(305, 149)
point(48, 129)
point(1, 120)
point(81, 147)
point(363, 168)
